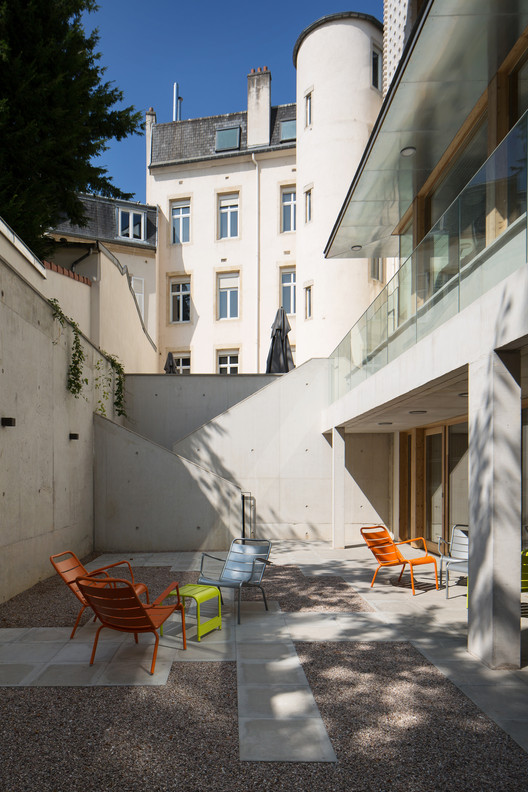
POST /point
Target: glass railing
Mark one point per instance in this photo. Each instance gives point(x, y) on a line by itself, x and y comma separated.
point(478, 241)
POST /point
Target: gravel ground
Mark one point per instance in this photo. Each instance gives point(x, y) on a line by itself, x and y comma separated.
point(394, 721)
point(49, 604)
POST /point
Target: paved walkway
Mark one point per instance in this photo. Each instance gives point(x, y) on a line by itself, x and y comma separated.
point(278, 717)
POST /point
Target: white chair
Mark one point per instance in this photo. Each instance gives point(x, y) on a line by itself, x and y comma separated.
point(457, 555)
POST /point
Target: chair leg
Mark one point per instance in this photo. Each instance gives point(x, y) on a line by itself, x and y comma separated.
point(136, 637)
point(401, 573)
point(155, 654)
point(447, 581)
point(239, 591)
point(77, 622)
point(412, 578)
point(264, 596)
point(374, 578)
point(436, 574)
point(95, 644)
point(182, 610)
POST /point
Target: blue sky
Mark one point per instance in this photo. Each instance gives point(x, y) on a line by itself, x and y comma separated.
point(208, 48)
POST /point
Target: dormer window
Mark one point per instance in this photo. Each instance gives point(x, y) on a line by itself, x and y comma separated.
point(227, 139)
point(131, 224)
point(288, 130)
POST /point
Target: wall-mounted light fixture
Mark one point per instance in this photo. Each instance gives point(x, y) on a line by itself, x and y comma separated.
point(73, 436)
point(8, 421)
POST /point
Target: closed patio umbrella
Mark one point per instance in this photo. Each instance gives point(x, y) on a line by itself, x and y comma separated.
point(170, 365)
point(280, 359)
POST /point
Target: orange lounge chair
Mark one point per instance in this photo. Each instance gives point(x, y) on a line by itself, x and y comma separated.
point(68, 566)
point(118, 607)
point(386, 553)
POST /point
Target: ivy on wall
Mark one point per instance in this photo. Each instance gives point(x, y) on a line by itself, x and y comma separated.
point(109, 383)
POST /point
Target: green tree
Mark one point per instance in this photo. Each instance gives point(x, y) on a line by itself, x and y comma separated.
point(56, 114)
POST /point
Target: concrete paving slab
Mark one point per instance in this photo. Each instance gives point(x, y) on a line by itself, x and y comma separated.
point(18, 652)
point(15, 673)
point(46, 634)
point(68, 675)
point(285, 672)
point(117, 673)
point(508, 702)
point(294, 740)
point(80, 652)
point(266, 651)
point(9, 634)
point(276, 701)
point(340, 627)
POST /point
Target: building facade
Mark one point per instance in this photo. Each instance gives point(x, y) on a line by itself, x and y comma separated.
point(246, 201)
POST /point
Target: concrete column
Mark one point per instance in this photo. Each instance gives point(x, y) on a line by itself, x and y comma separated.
point(338, 487)
point(495, 509)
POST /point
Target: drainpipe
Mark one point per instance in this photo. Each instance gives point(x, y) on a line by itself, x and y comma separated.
point(257, 224)
point(81, 258)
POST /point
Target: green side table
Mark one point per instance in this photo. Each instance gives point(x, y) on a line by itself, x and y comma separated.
point(201, 594)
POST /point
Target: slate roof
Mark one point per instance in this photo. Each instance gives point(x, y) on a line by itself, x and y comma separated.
point(101, 215)
point(194, 139)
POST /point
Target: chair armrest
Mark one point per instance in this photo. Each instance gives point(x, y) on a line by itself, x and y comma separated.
point(208, 555)
point(442, 541)
point(111, 566)
point(174, 586)
point(416, 539)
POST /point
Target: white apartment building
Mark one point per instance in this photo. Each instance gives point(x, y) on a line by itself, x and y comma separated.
point(246, 201)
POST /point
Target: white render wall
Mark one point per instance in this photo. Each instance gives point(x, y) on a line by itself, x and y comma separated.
point(257, 254)
point(334, 65)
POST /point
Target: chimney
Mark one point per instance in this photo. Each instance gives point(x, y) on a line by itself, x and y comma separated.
point(259, 107)
point(150, 120)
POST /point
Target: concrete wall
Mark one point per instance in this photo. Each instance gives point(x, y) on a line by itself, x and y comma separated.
point(165, 408)
point(271, 445)
point(46, 481)
point(149, 499)
point(368, 483)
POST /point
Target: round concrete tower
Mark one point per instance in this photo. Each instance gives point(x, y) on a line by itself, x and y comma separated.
point(339, 94)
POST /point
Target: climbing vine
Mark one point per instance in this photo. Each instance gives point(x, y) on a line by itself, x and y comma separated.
point(107, 381)
point(75, 380)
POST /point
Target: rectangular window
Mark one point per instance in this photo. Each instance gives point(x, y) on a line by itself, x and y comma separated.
point(180, 301)
point(377, 68)
point(228, 362)
point(308, 302)
point(308, 110)
point(289, 209)
point(288, 289)
point(376, 269)
point(228, 216)
point(182, 362)
point(308, 206)
point(138, 287)
point(228, 296)
point(131, 225)
point(181, 222)
point(227, 139)
point(288, 130)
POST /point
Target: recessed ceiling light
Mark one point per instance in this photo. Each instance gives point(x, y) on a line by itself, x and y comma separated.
point(417, 412)
point(356, 247)
point(408, 151)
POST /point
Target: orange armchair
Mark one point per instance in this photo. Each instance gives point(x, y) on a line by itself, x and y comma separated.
point(386, 553)
point(68, 566)
point(118, 607)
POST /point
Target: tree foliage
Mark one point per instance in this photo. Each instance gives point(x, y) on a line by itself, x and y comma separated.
point(56, 114)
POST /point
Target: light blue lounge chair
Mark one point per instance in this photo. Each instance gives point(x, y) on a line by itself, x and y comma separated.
point(456, 558)
point(244, 565)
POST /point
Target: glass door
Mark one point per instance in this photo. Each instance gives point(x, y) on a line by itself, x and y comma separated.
point(434, 487)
